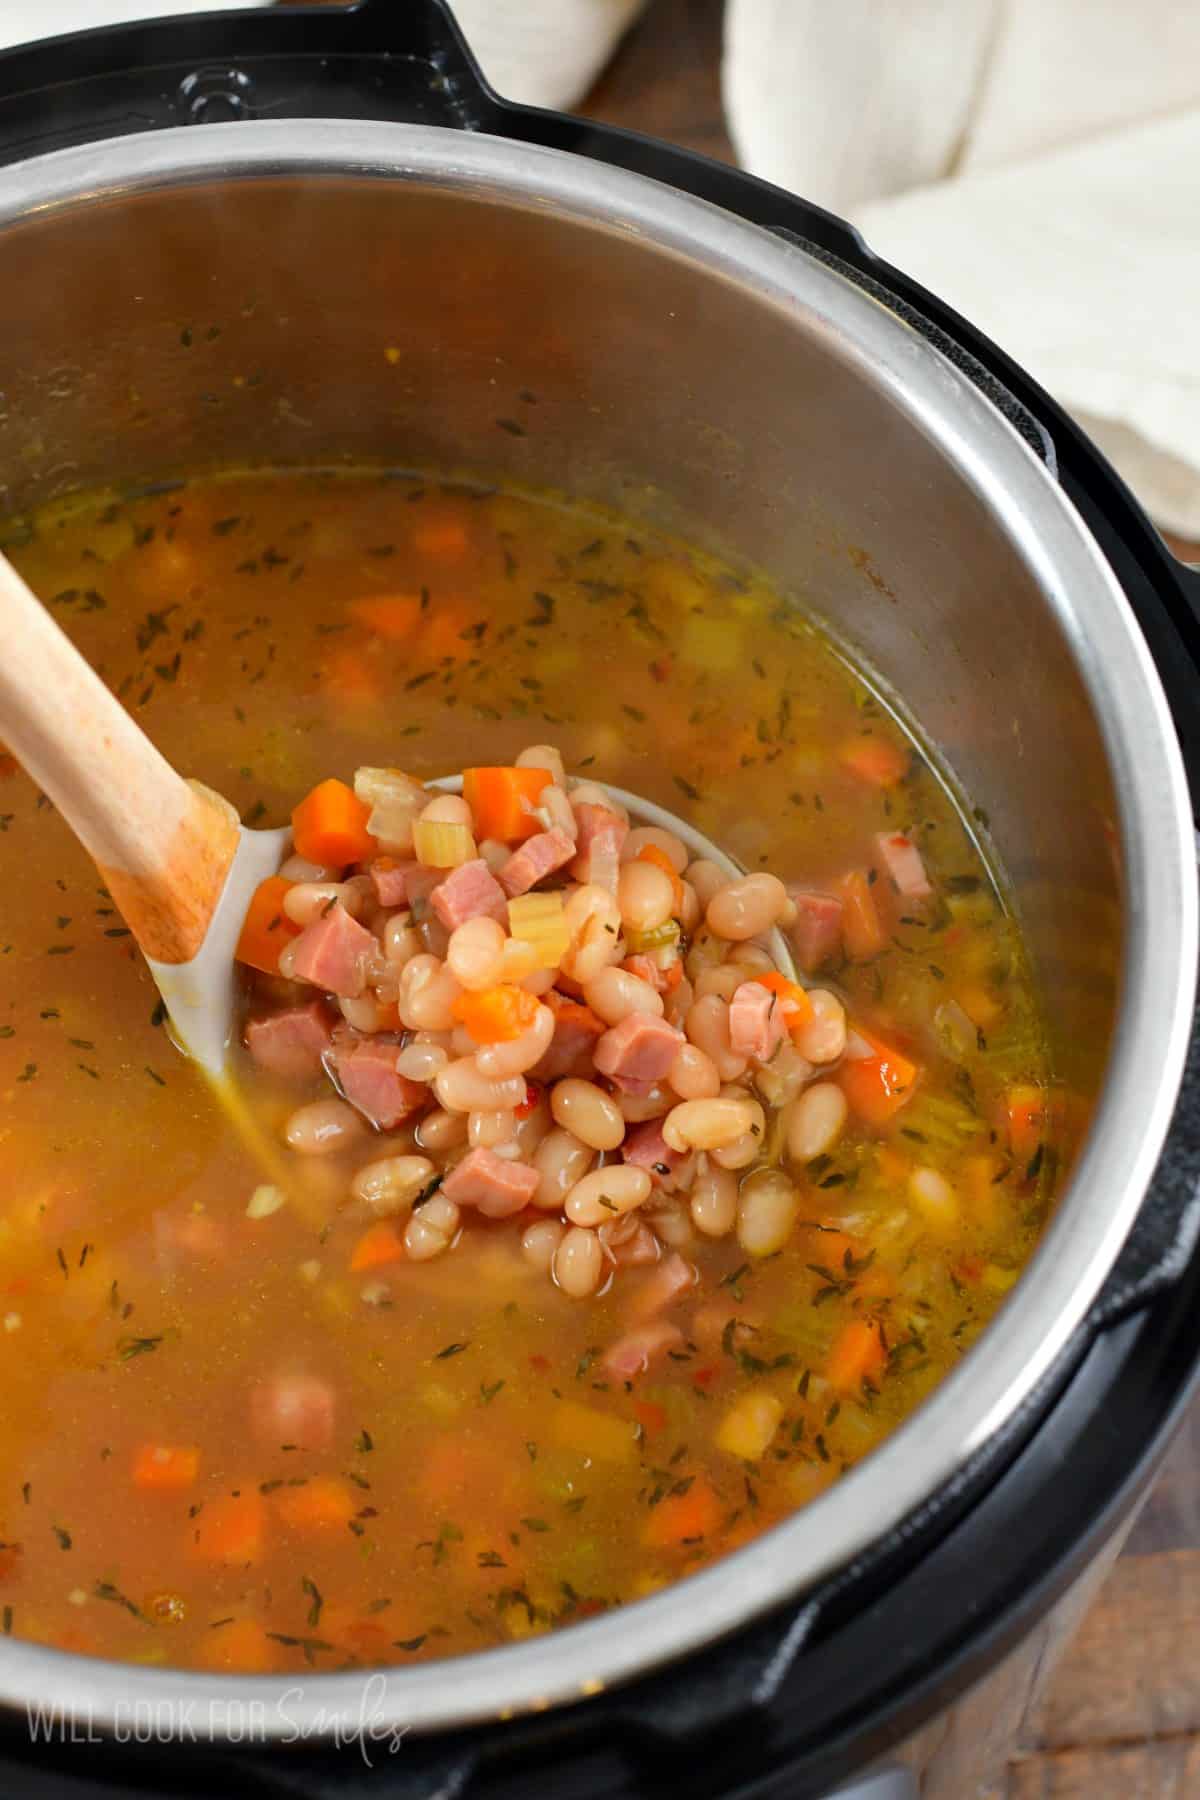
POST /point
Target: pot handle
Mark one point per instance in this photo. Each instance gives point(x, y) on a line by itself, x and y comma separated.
point(371, 60)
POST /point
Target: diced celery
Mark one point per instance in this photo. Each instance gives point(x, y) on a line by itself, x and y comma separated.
point(539, 920)
point(440, 844)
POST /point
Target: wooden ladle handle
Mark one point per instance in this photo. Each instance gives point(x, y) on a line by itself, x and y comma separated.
point(162, 846)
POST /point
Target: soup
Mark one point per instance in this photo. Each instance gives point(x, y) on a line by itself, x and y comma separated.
point(275, 1398)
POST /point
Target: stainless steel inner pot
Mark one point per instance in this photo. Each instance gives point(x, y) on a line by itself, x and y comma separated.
point(306, 291)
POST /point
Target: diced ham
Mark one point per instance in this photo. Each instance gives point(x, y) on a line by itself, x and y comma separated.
point(576, 1029)
point(469, 892)
point(293, 1409)
point(367, 1075)
point(647, 969)
point(640, 1049)
point(391, 880)
point(756, 1026)
point(632, 1354)
point(672, 1278)
point(903, 866)
point(816, 932)
point(639, 1248)
point(332, 953)
point(601, 835)
point(537, 857)
point(492, 1184)
point(291, 1043)
point(646, 1146)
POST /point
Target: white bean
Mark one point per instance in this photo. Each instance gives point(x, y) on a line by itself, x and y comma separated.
point(323, 1127)
point(529, 1132)
point(539, 1242)
point(587, 1111)
point(475, 954)
point(485, 1130)
point(707, 878)
point(714, 1201)
point(822, 1039)
point(691, 912)
point(561, 1160)
point(518, 1054)
point(427, 994)
point(367, 1013)
point(768, 1207)
point(644, 837)
point(748, 1147)
point(645, 895)
point(441, 1131)
point(637, 1108)
point(298, 868)
point(724, 980)
point(494, 854)
point(579, 1263)
point(556, 809)
point(707, 1026)
point(814, 1121)
point(463, 1087)
point(693, 1074)
point(607, 1193)
point(706, 951)
point(747, 907)
point(421, 1062)
point(431, 1228)
point(708, 1124)
point(309, 900)
point(782, 1078)
point(544, 756)
point(934, 1199)
point(591, 793)
point(593, 920)
point(446, 809)
point(393, 1183)
point(615, 993)
point(401, 941)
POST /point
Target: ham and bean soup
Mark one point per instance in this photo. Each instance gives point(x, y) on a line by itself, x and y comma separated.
point(581, 1236)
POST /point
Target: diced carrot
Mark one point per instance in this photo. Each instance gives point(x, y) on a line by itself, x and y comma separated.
point(230, 1529)
point(266, 929)
point(573, 1012)
point(240, 1648)
point(164, 1468)
point(830, 1248)
point(324, 1501)
point(1027, 1111)
point(705, 1377)
point(877, 1086)
point(650, 1416)
point(875, 760)
point(445, 539)
point(980, 1004)
point(672, 975)
point(330, 826)
point(856, 1355)
point(350, 676)
point(496, 1015)
point(379, 1245)
point(792, 1001)
point(502, 801)
point(650, 853)
point(862, 928)
point(396, 617)
point(683, 1519)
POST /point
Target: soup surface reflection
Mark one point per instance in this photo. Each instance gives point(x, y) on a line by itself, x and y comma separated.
point(231, 1439)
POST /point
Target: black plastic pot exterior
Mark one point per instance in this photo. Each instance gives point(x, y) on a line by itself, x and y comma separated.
point(806, 1698)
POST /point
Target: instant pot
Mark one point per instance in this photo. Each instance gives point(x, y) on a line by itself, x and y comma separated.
point(315, 234)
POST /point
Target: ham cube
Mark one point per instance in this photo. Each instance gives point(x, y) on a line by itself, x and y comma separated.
point(492, 1184)
point(639, 1248)
point(601, 835)
point(291, 1043)
point(537, 857)
point(756, 1027)
point(633, 1354)
point(469, 892)
point(576, 1029)
point(367, 1075)
point(639, 1050)
point(391, 880)
point(646, 1146)
point(901, 863)
point(293, 1409)
point(672, 1278)
point(816, 932)
point(332, 953)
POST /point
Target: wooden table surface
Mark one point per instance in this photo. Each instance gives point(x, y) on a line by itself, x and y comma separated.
point(1122, 1721)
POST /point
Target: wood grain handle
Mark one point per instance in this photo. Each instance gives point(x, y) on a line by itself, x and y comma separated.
point(162, 847)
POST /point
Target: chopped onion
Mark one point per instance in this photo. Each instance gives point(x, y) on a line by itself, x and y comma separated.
point(539, 920)
point(957, 1032)
point(395, 800)
point(264, 1201)
point(442, 845)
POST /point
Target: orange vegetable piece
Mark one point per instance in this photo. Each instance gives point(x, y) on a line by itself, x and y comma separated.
point(378, 1246)
point(794, 1002)
point(230, 1529)
point(496, 1015)
point(862, 927)
point(396, 617)
point(651, 853)
point(650, 1416)
point(573, 1012)
point(266, 929)
point(324, 1501)
point(856, 1355)
point(445, 539)
point(877, 1086)
point(240, 1648)
point(330, 826)
point(1027, 1111)
point(875, 760)
point(683, 1519)
point(350, 675)
point(495, 798)
point(163, 1468)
